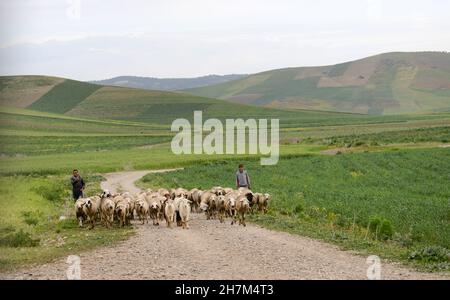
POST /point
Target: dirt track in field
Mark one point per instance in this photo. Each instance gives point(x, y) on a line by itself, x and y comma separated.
point(213, 250)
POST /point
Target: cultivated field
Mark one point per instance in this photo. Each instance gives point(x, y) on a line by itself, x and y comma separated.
point(371, 184)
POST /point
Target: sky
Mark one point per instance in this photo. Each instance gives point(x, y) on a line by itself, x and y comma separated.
point(93, 39)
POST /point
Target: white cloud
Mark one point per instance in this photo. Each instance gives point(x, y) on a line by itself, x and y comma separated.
point(197, 37)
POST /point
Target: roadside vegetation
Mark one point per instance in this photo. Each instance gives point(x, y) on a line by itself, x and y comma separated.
point(37, 223)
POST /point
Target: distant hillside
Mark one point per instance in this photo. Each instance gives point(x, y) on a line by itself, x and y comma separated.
point(86, 100)
point(167, 84)
point(390, 83)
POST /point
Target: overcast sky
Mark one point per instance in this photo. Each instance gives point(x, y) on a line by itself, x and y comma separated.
point(93, 39)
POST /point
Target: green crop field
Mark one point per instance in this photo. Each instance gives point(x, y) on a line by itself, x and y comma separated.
point(64, 96)
point(340, 198)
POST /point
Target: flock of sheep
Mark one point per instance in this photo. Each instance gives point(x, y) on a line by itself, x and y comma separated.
point(173, 206)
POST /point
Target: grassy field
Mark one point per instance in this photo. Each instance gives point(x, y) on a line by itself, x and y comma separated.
point(31, 230)
point(395, 203)
point(420, 135)
point(387, 194)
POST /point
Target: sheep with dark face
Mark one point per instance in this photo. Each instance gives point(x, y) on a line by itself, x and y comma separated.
point(155, 207)
point(105, 194)
point(212, 209)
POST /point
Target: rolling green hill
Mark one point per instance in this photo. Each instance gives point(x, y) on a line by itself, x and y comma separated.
point(89, 101)
point(391, 83)
point(70, 98)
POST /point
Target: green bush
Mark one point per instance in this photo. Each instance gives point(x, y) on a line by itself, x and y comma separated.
point(18, 239)
point(32, 218)
point(53, 191)
point(386, 229)
point(382, 227)
point(431, 254)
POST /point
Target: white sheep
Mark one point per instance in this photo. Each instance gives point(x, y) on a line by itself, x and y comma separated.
point(80, 211)
point(142, 208)
point(169, 212)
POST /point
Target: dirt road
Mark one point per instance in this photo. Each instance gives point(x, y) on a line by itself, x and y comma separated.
point(124, 181)
point(211, 250)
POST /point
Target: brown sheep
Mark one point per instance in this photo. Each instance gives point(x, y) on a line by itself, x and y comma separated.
point(107, 211)
point(261, 201)
point(221, 208)
point(121, 211)
point(242, 208)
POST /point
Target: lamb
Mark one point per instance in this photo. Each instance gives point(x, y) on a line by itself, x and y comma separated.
point(195, 195)
point(92, 208)
point(230, 205)
point(169, 212)
point(142, 209)
point(218, 190)
point(221, 208)
point(184, 211)
point(155, 204)
point(176, 204)
point(131, 207)
point(107, 211)
point(80, 211)
point(242, 208)
point(261, 200)
point(98, 202)
point(121, 211)
point(206, 205)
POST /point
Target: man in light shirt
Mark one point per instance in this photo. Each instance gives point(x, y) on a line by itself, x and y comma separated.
point(242, 178)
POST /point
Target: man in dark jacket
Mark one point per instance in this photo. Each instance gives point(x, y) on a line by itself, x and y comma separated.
point(77, 185)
